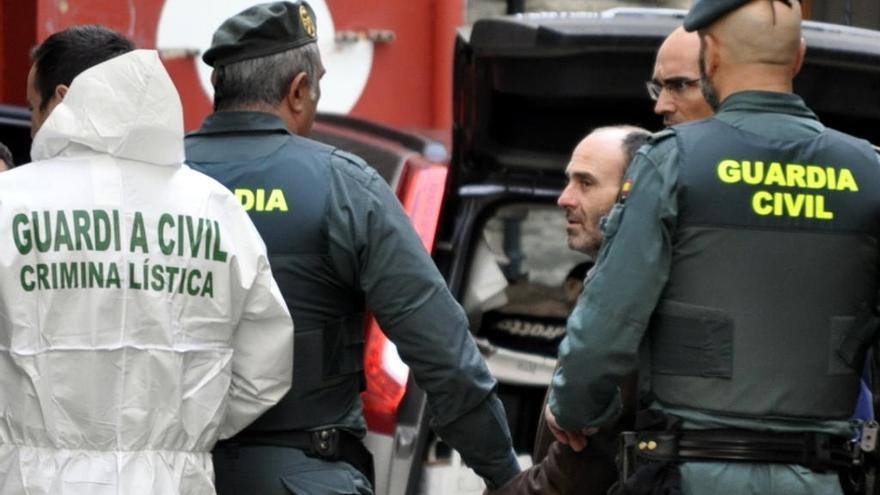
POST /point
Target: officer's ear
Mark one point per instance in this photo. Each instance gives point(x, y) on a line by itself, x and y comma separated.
point(297, 107)
point(298, 94)
point(709, 52)
point(802, 53)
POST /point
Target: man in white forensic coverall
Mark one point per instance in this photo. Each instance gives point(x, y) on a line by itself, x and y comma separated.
point(139, 321)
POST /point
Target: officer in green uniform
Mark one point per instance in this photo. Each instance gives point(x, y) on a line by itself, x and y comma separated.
point(339, 244)
point(740, 270)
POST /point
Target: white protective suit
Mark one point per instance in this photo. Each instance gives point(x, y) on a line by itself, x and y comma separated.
point(139, 320)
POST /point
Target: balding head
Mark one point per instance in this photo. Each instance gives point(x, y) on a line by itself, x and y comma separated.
point(680, 46)
point(595, 173)
point(755, 47)
point(677, 74)
point(762, 32)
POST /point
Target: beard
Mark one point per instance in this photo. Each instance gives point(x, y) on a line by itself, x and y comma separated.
point(584, 241)
point(706, 87)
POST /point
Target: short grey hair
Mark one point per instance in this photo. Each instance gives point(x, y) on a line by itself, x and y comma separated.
point(632, 142)
point(265, 80)
point(635, 138)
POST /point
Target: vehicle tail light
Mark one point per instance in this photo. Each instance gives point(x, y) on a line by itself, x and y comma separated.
point(421, 193)
point(386, 381)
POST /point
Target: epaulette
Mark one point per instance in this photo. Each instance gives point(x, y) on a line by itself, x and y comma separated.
point(661, 135)
point(352, 165)
point(350, 157)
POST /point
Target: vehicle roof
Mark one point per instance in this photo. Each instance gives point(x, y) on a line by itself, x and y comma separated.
point(543, 31)
point(529, 86)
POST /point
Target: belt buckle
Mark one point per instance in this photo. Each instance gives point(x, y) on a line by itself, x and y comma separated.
point(325, 443)
point(657, 446)
point(868, 441)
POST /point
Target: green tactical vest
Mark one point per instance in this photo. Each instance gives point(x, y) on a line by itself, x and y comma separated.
point(327, 310)
point(769, 306)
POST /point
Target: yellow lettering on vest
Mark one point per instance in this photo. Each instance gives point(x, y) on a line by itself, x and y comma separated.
point(791, 205)
point(261, 199)
point(816, 177)
point(794, 204)
point(246, 198)
point(777, 204)
point(759, 203)
point(276, 201)
point(811, 208)
point(846, 181)
point(788, 175)
point(775, 175)
point(831, 175)
point(728, 171)
point(821, 212)
point(753, 173)
point(256, 200)
point(796, 173)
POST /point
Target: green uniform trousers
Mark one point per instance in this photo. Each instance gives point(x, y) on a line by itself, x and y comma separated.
point(756, 479)
point(268, 470)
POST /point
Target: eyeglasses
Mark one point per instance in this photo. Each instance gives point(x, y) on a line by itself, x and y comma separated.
point(675, 85)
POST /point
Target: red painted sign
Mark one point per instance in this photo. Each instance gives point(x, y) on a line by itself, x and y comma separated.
point(409, 77)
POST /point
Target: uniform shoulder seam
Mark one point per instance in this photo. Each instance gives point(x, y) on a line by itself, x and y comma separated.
point(661, 136)
point(349, 157)
point(351, 165)
point(658, 147)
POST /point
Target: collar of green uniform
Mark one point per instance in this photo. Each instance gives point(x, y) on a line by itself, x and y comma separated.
point(767, 102)
point(223, 122)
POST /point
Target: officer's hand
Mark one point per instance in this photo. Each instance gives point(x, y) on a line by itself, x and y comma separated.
point(576, 440)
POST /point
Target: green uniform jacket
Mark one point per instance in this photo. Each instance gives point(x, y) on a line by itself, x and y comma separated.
point(605, 329)
point(376, 259)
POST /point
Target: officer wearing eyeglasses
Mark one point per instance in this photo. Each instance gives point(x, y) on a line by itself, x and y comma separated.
point(714, 276)
point(675, 85)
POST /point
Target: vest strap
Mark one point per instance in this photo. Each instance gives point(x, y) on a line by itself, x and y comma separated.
point(860, 335)
point(691, 340)
point(344, 346)
point(337, 350)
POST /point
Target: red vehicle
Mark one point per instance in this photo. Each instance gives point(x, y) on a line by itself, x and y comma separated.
point(388, 61)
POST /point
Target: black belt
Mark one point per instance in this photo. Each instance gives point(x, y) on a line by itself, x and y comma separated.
point(330, 444)
point(648, 459)
point(817, 451)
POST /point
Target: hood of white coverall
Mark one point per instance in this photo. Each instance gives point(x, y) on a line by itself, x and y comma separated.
point(126, 107)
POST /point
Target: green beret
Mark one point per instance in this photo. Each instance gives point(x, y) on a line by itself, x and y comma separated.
point(706, 12)
point(262, 30)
